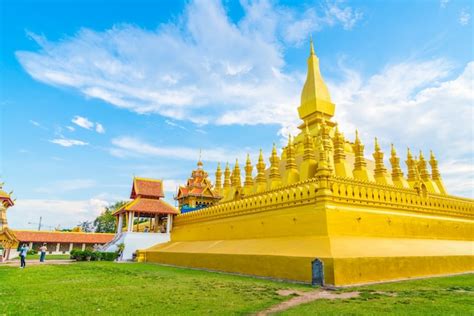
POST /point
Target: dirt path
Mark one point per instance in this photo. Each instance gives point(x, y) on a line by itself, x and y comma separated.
point(305, 297)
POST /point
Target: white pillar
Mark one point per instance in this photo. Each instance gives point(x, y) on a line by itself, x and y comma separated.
point(130, 221)
point(168, 224)
point(70, 246)
point(58, 245)
point(120, 224)
point(83, 247)
point(31, 245)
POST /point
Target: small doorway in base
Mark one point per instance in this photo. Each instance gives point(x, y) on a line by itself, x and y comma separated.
point(317, 272)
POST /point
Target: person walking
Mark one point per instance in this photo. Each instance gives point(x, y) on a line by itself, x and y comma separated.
point(23, 252)
point(43, 250)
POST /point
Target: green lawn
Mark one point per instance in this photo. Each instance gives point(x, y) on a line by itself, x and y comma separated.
point(111, 288)
point(48, 257)
point(435, 296)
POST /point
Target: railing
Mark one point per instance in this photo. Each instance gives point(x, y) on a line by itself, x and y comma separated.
point(343, 191)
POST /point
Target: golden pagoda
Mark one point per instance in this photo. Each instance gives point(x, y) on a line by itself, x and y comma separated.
point(8, 239)
point(198, 192)
point(323, 213)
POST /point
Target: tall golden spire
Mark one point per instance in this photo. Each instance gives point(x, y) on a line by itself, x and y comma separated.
point(248, 184)
point(435, 175)
point(275, 178)
point(315, 98)
point(380, 172)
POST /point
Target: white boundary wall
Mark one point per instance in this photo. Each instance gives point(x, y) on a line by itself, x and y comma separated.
point(134, 241)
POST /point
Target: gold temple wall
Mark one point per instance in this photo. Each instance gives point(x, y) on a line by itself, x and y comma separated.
point(363, 232)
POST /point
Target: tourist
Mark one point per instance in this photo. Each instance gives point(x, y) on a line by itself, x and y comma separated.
point(43, 250)
point(23, 252)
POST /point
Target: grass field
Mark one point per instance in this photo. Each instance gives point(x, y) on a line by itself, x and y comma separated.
point(48, 257)
point(435, 296)
point(111, 288)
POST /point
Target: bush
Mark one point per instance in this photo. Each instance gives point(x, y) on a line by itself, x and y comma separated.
point(109, 256)
point(80, 255)
point(32, 252)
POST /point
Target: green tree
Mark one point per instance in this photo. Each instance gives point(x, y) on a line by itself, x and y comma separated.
point(105, 222)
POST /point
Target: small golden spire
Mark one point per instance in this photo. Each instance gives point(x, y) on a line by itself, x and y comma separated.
point(199, 163)
point(411, 166)
point(360, 162)
point(338, 140)
point(308, 145)
point(248, 173)
point(380, 171)
point(227, 182)
point(435, 175)
point(218, 178)
point(311, 49)
point(395, 162)
point(377, 147)
point(236, 180)
point(275, 178)
point(424, 174)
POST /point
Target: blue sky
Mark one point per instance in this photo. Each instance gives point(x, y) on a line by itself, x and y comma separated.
point(95, 92)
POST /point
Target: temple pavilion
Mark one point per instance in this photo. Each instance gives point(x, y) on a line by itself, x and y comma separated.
point(144, 221)
point(323, 213)
point(198, 192)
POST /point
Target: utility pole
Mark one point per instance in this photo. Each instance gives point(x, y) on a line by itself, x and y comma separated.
point(39, 225)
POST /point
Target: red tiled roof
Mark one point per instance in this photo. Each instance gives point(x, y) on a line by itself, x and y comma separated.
point(63, 237)
point(150, 206)
point(147, 187)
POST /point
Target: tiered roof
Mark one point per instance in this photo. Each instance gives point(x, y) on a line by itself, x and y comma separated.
point(146, 194)
point(198, 185)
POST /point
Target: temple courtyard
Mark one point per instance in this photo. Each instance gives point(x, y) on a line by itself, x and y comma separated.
point(129, 288)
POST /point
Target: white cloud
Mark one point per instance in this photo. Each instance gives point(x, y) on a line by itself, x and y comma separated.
point(82, 122)
point(174, 124)
point(99, 128)
point(464, 17)
point(66, 213)
point(414, 104)
point(129, 147)
point(70, 128)
point(37, 124)
point(187, 66)
point(65, 142)
point(443, 3)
